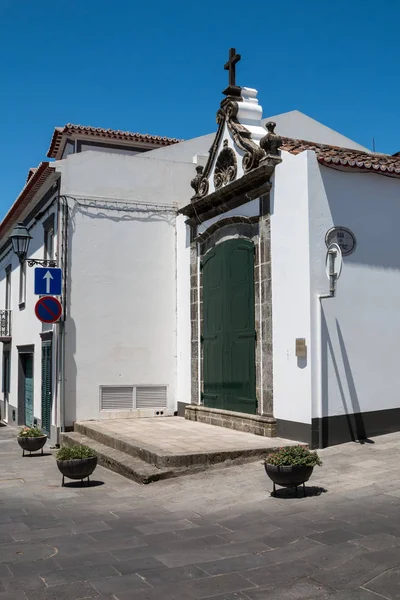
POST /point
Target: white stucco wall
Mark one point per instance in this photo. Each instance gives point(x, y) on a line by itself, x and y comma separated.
point(290, 289)
point(122, 317)
point(359, 367)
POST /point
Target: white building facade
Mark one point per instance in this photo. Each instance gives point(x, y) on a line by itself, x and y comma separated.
point(107, 216)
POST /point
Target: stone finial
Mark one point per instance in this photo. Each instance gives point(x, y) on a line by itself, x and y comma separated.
point(271, 142)
point(199, 183)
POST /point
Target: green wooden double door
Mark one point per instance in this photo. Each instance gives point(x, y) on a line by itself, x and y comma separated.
point(228, 335)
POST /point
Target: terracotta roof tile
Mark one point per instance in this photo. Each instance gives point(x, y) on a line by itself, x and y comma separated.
point(33, 184)
point(335, 156)
point(112, 134)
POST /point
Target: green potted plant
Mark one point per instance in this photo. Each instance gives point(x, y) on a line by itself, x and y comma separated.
point(291, 466)
point(76, 462)
point(31, 439)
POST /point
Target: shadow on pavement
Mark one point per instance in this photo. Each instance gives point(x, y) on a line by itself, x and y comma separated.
point(311, 491)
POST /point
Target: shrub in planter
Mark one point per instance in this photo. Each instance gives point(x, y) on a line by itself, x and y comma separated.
point(291, 466)
point(77, 462)
point(31, 439)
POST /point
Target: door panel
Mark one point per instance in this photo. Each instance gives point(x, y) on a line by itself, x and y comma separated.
point(46, 385)
point(28, 388)
point(229, 327)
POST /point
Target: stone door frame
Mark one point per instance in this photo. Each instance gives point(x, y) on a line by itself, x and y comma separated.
point(257, 230)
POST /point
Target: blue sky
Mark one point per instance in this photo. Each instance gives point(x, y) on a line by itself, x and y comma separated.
point(157, 67)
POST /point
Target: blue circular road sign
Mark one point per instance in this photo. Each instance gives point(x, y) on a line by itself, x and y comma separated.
point(48, 309)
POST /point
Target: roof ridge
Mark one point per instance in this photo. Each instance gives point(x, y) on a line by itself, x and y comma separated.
point(71, 128)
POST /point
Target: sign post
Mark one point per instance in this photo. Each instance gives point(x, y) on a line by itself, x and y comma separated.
point(48, 281)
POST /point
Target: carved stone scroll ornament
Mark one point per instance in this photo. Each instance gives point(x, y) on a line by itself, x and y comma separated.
point(271, 142)
point(242, 136)
point(199, 183)
point(226, 167)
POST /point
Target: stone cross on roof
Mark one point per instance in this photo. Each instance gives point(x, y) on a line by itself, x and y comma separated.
point(232, 89)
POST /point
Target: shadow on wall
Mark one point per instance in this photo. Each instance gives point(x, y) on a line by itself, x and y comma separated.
point(350, 401)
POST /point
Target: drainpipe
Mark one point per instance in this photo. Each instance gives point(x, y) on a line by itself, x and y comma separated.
point(320, 297)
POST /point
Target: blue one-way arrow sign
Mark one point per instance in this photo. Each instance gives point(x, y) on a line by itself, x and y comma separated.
point(48, 281)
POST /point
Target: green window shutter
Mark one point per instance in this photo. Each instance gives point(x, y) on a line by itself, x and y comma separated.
point(46, 385)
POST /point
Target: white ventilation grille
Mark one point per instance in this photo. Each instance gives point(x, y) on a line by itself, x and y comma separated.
point(116, 397)
point(151, 396)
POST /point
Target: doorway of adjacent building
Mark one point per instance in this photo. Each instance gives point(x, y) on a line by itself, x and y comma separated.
point(26, 388)
point(228, 335)
point(6, 382)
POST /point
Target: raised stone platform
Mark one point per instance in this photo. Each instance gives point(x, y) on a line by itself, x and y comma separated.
point(255, 424)
point(156, 448)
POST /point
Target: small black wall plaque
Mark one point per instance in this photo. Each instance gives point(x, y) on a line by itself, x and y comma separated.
point(343, 237)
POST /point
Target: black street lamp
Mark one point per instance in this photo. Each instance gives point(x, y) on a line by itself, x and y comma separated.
point(20, 238)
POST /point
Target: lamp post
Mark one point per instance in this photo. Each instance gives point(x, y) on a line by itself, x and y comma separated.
point(20, 239)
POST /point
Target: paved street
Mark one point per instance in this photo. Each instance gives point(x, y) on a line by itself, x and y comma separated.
point(217, 534)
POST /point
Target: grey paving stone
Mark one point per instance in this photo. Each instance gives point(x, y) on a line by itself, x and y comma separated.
point(20, 595)
point(303, 589)
point(190, 557)
point(205, 531)
point(116, 585)
point(281, 537)
point(75, 574)
point(164, 592)
point(234, 564)
point(154, 539)
point(233, 596)
point(387, 584)
point(133, 553)
point(356, 594)
point(28, 582)
point(165, 576)
point(90, 527)
point(334, 536)
point(239, 548)
point(23, 569)
point(165, 526)
point(72, 591)
point(84, 560)
point(41, 534)
point(297, 550)
point(377, 541)
point(137, 565)
point(331, 557)
point(277, 574)
point(210, 541)
point(4, 570)
point(211, 586)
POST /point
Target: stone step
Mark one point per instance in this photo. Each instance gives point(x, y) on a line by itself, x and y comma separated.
point(127, 444)
point(129, 466)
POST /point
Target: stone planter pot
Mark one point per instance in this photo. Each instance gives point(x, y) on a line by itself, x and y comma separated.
point(79, 468)
point(288, 476)
point(32, 444)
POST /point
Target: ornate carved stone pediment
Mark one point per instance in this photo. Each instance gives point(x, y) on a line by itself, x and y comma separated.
point(225, 167)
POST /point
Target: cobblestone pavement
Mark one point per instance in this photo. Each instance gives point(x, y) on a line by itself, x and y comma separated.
point(218, 534)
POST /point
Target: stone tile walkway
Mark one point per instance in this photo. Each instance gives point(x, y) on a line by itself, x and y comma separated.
point(216, 534)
